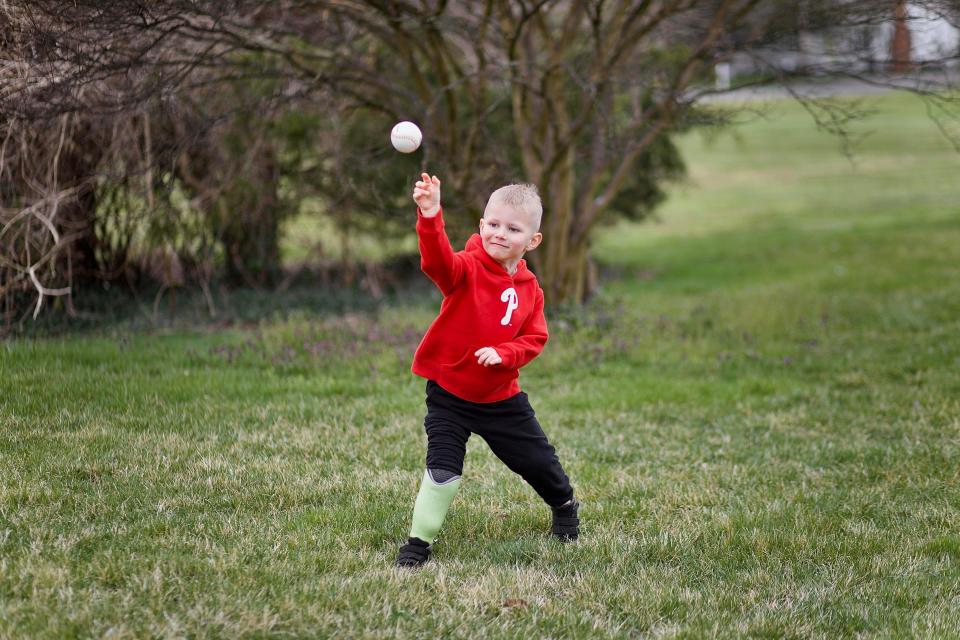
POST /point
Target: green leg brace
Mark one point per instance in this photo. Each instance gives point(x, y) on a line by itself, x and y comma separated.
point(430, 510)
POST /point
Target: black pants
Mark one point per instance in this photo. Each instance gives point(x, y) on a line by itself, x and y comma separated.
point(511, 429)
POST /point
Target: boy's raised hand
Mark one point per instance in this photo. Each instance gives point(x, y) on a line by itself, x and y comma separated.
point(426, 193)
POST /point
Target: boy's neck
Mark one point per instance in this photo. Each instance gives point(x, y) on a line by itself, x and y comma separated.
point(511, 267)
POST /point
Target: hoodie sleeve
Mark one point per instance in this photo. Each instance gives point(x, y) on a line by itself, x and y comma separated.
point(529, 343)
point(437, 258)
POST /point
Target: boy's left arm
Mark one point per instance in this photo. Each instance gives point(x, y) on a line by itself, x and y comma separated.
point(528, 345)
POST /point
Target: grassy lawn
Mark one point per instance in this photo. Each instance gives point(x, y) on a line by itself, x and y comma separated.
point(761, 416)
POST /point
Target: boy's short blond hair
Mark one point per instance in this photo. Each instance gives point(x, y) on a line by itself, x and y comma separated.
point(522, 197)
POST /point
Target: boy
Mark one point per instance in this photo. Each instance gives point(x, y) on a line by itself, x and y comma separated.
point(490, 324)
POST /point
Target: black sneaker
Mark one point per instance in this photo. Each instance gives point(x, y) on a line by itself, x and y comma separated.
point(413, 554)
point(566, 524)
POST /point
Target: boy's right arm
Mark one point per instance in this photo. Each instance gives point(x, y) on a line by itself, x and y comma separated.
point(437, 258)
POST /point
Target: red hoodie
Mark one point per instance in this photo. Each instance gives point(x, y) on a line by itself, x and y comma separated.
point(483, 306)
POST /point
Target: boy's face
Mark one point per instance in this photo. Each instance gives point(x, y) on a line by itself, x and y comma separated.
point(507, 233)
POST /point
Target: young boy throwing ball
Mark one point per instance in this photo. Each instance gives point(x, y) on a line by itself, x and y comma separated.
point(490, 324)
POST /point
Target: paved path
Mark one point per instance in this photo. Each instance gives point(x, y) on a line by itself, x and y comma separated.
point(829, 87)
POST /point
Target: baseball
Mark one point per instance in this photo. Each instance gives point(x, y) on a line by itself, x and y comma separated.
point(406, 137)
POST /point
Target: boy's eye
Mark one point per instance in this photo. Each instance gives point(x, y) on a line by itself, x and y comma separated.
point(514, 229)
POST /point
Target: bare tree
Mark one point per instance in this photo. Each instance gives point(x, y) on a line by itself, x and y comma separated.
point(121, 126)
point(589, 86)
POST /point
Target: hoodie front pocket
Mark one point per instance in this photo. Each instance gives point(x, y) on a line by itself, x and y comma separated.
point(467, 371)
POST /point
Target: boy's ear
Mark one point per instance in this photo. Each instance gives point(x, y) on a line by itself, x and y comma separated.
point(481, 224)
point(534, 241)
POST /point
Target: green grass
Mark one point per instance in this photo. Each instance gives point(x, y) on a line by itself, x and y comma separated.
point(761, 415)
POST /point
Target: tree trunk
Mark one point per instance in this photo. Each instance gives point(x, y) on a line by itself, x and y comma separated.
point(563, 263)
point(570, 276)
point(78, 217)
point(251, 234)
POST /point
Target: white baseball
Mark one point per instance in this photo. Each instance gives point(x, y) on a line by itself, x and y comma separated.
point(406, 137)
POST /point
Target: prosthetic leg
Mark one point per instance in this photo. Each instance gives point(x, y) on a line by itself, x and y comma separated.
point(437, 490)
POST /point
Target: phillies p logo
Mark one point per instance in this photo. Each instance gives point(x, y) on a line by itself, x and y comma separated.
point(510, 297)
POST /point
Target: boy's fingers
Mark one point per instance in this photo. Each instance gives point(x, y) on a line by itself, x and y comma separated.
point(436, 180)
point(487, 356)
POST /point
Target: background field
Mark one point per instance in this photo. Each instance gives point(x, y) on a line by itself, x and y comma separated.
point(761, 415)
